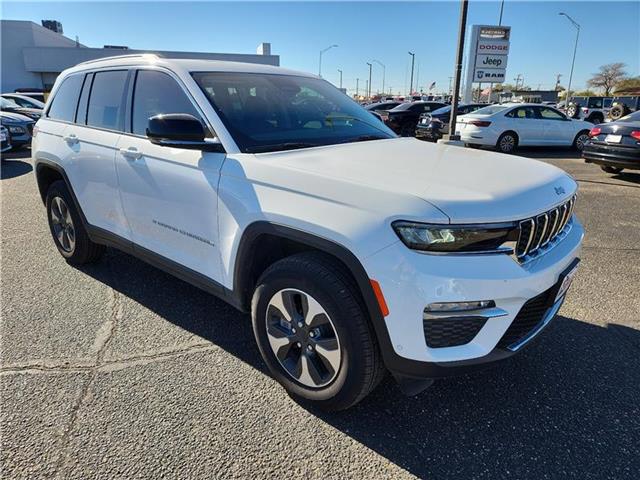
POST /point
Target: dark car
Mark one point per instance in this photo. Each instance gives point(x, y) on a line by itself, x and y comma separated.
point(20, 128)
point(24, 100)
point(432, 126)
point(615, 145)
point(10, 106)
point(381, 106)
point(5, 140)
point(404, 118)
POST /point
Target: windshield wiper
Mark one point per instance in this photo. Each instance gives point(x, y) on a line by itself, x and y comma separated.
point(276, 147)
point(365, 138)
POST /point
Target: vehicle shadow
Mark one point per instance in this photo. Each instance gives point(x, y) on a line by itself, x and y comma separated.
point(566, 407)
point(13, 168)
point(633, 177)
point(548, 152)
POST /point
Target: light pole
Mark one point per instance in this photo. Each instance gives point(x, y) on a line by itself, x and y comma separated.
point(413, 59)
point(567, 98)
point(369, 89)
point(340, 72)
point(384, 69)
point(357, 87)
point(320, 61)
point(458, 71)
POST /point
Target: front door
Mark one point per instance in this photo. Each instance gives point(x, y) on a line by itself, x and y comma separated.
point(169, 194)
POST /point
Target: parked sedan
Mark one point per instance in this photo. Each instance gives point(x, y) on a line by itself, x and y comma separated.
point(432, 126)
point(4, 139)
point(615, 145)
point(20, 128)
point(7, 105)
point(24, 100)
point(509, 126)
point(404, 118)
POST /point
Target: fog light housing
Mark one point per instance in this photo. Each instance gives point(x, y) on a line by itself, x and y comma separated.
point(447, 307)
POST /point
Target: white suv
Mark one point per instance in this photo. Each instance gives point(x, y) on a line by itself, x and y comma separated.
point(357, 252)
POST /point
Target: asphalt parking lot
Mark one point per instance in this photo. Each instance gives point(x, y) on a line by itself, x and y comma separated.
point(119, 370)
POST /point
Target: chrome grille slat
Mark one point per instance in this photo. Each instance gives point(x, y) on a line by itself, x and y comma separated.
point(539, 232)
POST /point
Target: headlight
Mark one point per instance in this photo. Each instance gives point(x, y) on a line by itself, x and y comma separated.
point(498, 238)
point(17, 130)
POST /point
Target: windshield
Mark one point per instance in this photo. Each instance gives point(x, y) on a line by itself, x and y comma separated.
point(490, 110)
point(6, 103)
point(265, 112)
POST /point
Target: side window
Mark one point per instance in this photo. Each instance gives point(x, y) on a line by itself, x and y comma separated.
point(550, 114)
point(156, 93)
point(81, 115)
point(63, 106)
point(522, 113)
point(106, 100)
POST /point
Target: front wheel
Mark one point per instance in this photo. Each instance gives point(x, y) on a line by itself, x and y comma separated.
point(313, 333)
point(609, 169)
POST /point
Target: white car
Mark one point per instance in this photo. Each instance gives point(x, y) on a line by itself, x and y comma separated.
point(509, 126)
point(356, 252)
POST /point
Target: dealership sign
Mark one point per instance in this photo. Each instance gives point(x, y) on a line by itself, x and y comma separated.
point(488, 54)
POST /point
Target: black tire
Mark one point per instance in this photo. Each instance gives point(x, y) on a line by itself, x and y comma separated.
point(573, 110)
point(609, 169)
point(580, 140)
point(82, 250)
point(325, 280)
point(507, 142)
point(618, 110)
point(596, 119)
point(407, 130)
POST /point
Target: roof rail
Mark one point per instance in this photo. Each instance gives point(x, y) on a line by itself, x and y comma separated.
point(133, 55)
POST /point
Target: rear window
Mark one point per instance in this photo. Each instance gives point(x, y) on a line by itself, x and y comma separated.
point(64, 103)
point(106, 100)
point(490, 110)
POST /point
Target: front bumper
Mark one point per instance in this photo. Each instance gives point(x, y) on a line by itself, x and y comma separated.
point(411, 280)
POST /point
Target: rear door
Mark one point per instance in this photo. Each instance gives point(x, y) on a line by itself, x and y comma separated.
point(169, 194)
point(92, 141)
point(526, 123)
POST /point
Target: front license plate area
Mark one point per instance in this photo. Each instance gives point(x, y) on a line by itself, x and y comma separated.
point(565, 280)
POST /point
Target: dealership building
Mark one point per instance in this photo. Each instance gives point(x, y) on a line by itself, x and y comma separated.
point(34, 55)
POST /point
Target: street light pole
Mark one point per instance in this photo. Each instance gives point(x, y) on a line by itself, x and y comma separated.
point(458, 71)
point(340, 71)
point(320, 60)
point(384, 70)
point(567, 98)
point(369, 90)
point(357, 87)
point(413, 59)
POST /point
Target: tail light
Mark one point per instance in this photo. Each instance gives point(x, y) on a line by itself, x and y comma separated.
point(595, 131)
point(479, 123)
point(585, 110)
point(636, 134)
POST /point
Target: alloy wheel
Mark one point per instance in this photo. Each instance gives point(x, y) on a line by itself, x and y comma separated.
point(581, 140)
point(303, 338)
point(507, 143)
point(62, 223)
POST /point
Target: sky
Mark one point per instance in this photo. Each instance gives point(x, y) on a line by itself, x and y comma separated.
point(541, 40)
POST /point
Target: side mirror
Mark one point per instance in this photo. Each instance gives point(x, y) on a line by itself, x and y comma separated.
point(180, 130)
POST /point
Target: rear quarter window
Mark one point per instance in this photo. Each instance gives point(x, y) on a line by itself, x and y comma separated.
point(64, 103)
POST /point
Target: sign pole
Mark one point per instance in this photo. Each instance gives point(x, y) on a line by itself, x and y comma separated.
point(458, 71)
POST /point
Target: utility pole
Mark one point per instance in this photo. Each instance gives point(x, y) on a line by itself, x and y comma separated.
point(457, 72)
point(450, 78)
point(413, 59)
point(558, 81)
point(369, 89)
point(340, 72)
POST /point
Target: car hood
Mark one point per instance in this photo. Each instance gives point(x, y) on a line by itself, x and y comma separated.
point(16, 116)
point(467, 185)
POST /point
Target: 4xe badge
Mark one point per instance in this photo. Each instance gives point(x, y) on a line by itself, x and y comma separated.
point(559, 190)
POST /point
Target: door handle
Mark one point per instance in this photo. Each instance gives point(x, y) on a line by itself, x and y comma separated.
point(130, 153)
point(71, 139)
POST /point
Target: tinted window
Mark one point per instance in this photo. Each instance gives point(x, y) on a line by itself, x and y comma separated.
point(64, 103)
point(551, 114)
point(106, 99)
point(155, 93)
point(269, 112)
point(522, 112)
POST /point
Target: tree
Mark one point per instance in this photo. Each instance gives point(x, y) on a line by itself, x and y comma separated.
point(608, 77)
point(585, 93)
point(629, 86)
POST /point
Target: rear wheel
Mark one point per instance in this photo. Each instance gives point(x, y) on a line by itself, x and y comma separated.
point(507, 142)
point(313, 333)
point(609, 169)
point(67, 229)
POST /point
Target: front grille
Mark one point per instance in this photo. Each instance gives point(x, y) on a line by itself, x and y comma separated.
point(538, 232)
point(528, 318)
point(451, 331)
